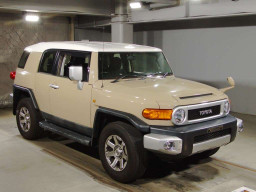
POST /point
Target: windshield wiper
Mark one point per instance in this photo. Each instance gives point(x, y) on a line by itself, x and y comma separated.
point(123, 76)
point(167, 73)
point(143, 76)
point(160, 73)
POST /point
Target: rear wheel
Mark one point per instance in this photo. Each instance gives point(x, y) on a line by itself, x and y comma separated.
point(28, 119)
point(121, 152)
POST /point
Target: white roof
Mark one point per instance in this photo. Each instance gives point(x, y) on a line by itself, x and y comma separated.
point(94, 46)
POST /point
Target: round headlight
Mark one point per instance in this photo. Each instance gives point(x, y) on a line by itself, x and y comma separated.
point(179, 116)
point(226, 107)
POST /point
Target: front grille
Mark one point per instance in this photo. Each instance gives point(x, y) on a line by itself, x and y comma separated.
point(200, 113)
point(208, 136)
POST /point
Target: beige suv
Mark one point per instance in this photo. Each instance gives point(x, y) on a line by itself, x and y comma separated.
point(121, 98)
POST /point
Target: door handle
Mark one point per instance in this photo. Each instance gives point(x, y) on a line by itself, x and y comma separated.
point(54, 86)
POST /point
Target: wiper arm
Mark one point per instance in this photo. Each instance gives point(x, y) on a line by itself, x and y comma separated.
point(161, 73)
point(167, 73)
point(142, 76)
point(123, 76)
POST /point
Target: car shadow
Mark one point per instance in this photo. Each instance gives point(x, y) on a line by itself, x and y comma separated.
point(157, 168)
point(185, 175)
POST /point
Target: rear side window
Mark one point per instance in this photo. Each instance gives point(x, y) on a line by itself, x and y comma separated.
point(47, 62)
point(23, 59)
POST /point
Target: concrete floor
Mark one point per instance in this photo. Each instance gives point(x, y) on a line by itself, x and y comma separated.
point(25, 167)
point(53, 164)
point(243, 150)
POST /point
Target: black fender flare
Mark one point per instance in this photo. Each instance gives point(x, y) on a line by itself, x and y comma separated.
point(135, 121)
point(17, 91)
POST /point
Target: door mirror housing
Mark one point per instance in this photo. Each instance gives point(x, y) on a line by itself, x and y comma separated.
point(76, 73)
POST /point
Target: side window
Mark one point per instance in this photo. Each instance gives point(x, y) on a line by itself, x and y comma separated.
point(47, 62)
point(23, 59)
point(68, 59)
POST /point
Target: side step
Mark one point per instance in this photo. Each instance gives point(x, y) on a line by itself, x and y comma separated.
point(65, 133)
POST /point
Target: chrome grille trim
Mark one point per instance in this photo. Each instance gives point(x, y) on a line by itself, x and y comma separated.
point(201, 105)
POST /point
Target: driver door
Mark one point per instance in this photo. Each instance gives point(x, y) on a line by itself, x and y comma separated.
point(70, 106)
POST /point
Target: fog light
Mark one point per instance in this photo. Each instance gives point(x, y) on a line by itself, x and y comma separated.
point(169, 145)
point(163, 143)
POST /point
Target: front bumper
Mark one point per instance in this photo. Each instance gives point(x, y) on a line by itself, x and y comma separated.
point(190, 139)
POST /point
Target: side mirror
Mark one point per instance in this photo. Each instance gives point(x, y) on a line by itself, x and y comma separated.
point(76, 73)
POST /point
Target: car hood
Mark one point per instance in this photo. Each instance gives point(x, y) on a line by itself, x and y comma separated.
point(167, 92)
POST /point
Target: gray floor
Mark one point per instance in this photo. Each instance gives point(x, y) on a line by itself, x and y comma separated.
point(243, 150)
point(45, 165)
point(24, 167)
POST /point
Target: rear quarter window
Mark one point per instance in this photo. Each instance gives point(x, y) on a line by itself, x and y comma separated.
point(47, 61)
point(23, 59)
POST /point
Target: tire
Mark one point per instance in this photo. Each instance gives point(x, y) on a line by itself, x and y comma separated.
point(28, 128)
point(133, 155)
point(206, 154)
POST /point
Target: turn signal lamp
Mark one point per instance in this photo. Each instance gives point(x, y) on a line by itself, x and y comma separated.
point(157, 114)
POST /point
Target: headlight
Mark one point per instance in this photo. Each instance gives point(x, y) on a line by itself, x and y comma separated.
point(179, 116)
point(226, 107)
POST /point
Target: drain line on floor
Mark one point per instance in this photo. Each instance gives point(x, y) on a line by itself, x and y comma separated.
point(235, 165)
point(108, 182)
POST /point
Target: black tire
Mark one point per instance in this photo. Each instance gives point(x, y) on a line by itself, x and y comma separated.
point(34, 132)
point(137, 155)
point(207, 154)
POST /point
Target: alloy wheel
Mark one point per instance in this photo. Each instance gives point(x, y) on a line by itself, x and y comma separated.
point(24, 119)
point(116, 153)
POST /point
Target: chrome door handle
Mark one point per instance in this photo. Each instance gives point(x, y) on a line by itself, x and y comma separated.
point(54, 86)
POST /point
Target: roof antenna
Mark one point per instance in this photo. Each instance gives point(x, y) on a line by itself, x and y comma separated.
point(102, 60)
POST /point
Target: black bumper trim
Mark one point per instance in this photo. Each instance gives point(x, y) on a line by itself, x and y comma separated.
point(188, 132)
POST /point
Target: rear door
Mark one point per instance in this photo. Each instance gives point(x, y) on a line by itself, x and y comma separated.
point(45, 75)
point(70, 106)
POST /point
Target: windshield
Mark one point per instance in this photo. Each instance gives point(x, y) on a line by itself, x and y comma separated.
point(132, 64)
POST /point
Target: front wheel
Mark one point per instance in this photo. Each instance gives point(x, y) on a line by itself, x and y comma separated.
point(121, 152)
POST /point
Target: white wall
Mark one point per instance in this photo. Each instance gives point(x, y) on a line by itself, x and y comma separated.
point(211, 55)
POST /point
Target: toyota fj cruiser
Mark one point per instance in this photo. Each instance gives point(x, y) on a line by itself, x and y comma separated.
point(121, 98)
